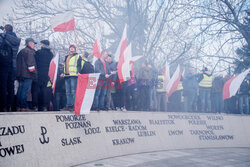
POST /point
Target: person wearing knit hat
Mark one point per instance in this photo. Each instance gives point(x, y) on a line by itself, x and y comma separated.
point(70, 74)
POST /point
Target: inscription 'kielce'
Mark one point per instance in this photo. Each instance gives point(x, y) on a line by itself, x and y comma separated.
point(115, 128)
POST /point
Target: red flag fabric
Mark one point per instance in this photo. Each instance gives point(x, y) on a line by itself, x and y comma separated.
point(173, 83)
point(85, 91)
point(53, 69)
point(132, 80)
point(63, 22)
point(232, 85)
point(96, 50)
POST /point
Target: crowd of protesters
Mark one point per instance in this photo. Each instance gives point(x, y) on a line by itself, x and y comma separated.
point(196, 92)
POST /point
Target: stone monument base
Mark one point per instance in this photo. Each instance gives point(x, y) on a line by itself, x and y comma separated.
point(44, 139)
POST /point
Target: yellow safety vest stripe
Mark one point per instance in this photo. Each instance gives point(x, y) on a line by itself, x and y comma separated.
point(206, 81)
point(179, 87)
point(161, 84)
point(72, 65)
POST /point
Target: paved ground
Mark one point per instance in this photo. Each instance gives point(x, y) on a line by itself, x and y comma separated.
point(219, 157)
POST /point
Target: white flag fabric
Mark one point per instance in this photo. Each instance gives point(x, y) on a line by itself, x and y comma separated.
point(135, 58)
point(166, 74)
point(232, 85)
point(124, 65)
point(173, 82)
point(85, 92)
point(122, 45)
point(63, 22)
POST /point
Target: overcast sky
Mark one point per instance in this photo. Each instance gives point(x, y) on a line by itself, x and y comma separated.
point(5, 8)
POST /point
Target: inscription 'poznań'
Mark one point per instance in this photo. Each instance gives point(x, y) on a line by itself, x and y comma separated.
point(74, 121)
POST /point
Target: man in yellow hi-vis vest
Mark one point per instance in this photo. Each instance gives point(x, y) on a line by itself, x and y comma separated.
point(70, 75)
point(161, 93)
point(205, 86)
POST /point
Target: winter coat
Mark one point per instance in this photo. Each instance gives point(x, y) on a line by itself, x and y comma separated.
point(218, 84)
point(190, 83)
point(99, 68)
point(145, 76)
point(244, 88)
point(43, 58)
point(112, 67)
point(26, 64)
point(60, 81)
point(14, 42)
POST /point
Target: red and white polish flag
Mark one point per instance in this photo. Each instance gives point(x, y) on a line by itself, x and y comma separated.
point(53, 69)
point(173, 82)
point(123, 66)
point(63, 22)
point(232, 85)
point(85, 92)
point(122, 45)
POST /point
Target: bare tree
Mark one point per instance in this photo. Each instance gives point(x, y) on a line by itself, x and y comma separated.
point(185, 32)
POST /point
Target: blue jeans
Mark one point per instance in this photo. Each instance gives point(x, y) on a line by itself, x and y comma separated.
point(153, 98)
point(218, 102)
point(22, 92)
point(70, 85)
point(100, 93)
point(205, 97)
point(243, 99)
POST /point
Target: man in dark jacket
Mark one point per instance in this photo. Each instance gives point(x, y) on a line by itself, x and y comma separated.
point(8, 68)
point(243, 97)
point(26, 72)
point(217, 89)
point(190, 87)
point(111, 82)
point(43, 58)
point(101, 67)
point(144, 83)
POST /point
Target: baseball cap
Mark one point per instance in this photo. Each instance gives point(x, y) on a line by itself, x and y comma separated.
point(30, 40)
point(45, 42)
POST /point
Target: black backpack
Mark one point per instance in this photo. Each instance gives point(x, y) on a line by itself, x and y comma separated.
point(87, 68)
point(6, 53)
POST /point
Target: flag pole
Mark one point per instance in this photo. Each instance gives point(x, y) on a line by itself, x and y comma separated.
point(76, 39)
